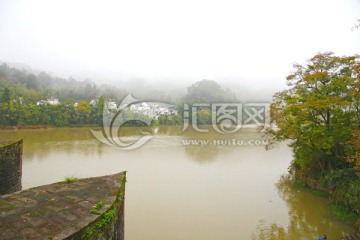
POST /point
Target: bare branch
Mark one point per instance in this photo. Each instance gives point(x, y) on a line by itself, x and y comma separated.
point(357, 25)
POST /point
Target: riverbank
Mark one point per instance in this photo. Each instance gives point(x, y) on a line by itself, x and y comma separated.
point(26, 127)
point(17, 127)
point(155, 123)
point(340, 188)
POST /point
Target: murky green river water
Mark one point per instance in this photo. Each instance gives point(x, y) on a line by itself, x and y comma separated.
point(223, 187)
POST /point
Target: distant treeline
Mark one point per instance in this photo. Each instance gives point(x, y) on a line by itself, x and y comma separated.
point(20, 91)
point(32, 88)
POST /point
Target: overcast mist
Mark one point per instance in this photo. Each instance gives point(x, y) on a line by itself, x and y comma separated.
point(252, 43)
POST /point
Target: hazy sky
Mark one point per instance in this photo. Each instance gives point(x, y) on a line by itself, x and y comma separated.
point(185, 40)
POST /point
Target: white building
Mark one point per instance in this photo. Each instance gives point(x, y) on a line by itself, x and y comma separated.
point(93, 103)
point(51, 101)
point(111, 105)
point(153, 110)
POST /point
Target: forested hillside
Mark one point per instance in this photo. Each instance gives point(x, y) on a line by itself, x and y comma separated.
point(21, 91)
point(32, 88)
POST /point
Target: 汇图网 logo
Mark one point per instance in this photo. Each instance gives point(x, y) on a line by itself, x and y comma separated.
point(114, 119)
point(225, 118)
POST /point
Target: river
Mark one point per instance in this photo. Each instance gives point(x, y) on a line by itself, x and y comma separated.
point(186, 185)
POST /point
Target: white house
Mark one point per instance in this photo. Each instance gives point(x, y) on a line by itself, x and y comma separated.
point(51, 101)
point(153, 110)
point(93, 103)
point(111, 105)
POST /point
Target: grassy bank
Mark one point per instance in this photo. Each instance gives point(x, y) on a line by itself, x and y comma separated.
point(342, 188)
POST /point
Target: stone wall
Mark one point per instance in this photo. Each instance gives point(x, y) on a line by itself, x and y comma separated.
point(111, 221)
point(90, 209)
point(10, 166)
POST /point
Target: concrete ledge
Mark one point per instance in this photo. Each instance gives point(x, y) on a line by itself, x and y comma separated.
point(91, 208)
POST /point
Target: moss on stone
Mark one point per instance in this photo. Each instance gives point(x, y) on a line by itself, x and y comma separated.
point(104, 224)
point(9, 208)
point(105, 219)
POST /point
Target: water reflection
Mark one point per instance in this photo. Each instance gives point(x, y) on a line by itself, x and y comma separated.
point(38, 143)
point(201, 147)
point(178, 191)
point(201, 154)
point(207, 147)
point(303, 223)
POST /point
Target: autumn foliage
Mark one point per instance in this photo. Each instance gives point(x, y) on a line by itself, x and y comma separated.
point(320, 114)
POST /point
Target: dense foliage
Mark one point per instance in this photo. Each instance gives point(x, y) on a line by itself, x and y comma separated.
point(20, 91)
point(320, 113)
point(63, 114)
point(344, 185)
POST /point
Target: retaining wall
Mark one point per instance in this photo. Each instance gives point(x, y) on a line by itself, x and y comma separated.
point(10, 166)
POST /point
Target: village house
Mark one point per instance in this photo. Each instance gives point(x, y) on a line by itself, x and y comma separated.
point(51, 101)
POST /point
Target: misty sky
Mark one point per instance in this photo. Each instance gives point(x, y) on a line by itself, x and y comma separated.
point(186, 40)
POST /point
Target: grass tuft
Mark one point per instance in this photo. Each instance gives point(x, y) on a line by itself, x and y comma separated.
point(70, 179)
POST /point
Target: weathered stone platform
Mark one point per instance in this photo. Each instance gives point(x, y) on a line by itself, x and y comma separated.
point(91, 208)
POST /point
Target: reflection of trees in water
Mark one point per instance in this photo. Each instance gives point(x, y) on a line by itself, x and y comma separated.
point(219, 144)
point(41, 152)
point(201, 146)
point(270, 232)
point(202, 154)
point(40, 143)
point(309, 217)
point(169, 130)
point(100, 149)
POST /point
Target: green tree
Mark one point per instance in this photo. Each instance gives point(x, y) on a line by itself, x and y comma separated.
point(208, 91)
point(318, 112)
point(170, 119)
point(99, 109)
point(204, 117)
point(83, 111)
point(6, 95)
